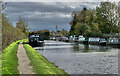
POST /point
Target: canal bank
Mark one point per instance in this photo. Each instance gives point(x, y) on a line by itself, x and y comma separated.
point(81, 59)
point(14, 62)
point(41, 64)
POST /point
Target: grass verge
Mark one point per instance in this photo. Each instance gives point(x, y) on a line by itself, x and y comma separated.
point(9, 59)
point(0, 64)
point(41, 64)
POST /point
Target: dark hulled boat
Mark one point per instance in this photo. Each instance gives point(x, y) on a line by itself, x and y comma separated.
point(35, 40)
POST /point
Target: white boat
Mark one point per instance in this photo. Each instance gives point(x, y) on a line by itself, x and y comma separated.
point(81, 39)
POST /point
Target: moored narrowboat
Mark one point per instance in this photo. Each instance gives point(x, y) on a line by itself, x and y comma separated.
point(93, 40)
point(97, 41)
point(36, 40)
point(81, 39)
point(102, 41)
point(73, 38)
point(113, 41)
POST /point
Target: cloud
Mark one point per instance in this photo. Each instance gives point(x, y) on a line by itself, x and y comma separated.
point(58, 0)
point(42, 15)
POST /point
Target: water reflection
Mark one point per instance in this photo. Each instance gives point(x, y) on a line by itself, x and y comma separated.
point(90, 48)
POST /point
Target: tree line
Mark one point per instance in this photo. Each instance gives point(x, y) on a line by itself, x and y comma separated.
point(105, 19)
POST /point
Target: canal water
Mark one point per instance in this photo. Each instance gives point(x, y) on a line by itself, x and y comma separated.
point(81, 59)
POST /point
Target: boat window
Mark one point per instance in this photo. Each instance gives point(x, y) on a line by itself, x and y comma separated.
point(31, 40)
point(111, 40)
point(116, 40)
point(119, 40)
point(36, 39)
point(40, 39)
point(102, 39)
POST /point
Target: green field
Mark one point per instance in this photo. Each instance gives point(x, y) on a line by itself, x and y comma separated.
point(41, 64)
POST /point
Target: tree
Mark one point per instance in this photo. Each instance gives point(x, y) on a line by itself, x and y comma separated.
point(46, 32)
point(73, 23)
point(22, 25)
point(77, 17)
point(108, 17)
point(119, 11)
point(86, 23)
point(2, 6)
point(64, 32)
point(80, 29)
point(10, 33)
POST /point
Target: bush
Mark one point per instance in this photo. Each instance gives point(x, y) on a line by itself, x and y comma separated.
point(10, 33)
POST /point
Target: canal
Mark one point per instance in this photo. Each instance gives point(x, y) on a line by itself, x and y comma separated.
point(81, 59)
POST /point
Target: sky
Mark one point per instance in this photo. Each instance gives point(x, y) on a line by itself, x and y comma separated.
point(45, 15)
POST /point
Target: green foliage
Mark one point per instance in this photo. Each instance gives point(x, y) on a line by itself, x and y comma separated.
point(9, 33)
point(73, 23)
point(41, 64)
point(86, 24)
point(9, 59)
point(88, 33)
point(22, 26)
point(80, 29)
point(64, 32)
point(103, 20)
point(107, 17)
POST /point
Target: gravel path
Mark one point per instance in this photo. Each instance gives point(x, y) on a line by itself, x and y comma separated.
point(23, 61)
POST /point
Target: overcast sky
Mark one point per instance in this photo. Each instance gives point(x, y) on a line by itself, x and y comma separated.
point(45, 15)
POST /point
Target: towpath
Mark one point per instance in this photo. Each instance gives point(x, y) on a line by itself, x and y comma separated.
point(24, 66)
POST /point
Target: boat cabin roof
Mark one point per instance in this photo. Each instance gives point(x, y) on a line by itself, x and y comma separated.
point(34, 36)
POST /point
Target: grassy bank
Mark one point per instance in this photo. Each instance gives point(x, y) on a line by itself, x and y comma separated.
point(41, 64)
point(9, 59)
point(0, 64)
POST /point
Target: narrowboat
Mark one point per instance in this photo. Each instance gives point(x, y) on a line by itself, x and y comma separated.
point(72, 38)
point(52, 38)
point(101, 41)
point(35, 40)
point(113, 41)
point(85, 41)
point(81, 39)
point(93, 40)
point(65, 39)
point(60, 39)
